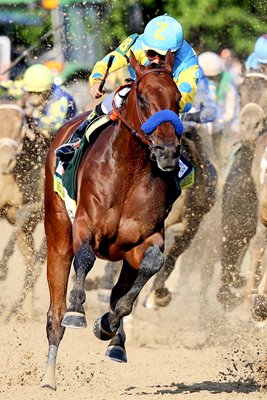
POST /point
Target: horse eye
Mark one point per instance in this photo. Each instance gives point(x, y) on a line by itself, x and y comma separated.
point(256, 125)
point(141, 99)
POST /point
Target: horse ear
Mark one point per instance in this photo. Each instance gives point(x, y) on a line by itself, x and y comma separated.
point(169, 61)
point(135, 64)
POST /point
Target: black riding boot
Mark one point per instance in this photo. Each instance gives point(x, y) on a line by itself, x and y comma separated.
point(66, 151)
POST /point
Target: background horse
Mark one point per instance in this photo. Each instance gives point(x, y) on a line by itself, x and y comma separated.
point(22, 153)
point(254, 302)
point(126, 186)
point(239, 205)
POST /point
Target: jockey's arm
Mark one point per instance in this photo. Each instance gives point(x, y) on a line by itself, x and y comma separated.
point(187, 85)
point(121, 56)
point(101, 66)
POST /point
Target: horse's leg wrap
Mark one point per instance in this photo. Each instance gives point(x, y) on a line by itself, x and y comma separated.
point(83, 263)
point(152, 262)
point(49, 380)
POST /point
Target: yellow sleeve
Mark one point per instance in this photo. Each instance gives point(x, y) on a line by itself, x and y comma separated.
point(121, 53)
point(187, 85)
point(100, 67)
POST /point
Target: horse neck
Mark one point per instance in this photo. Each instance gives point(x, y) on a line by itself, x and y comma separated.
point(126, 143)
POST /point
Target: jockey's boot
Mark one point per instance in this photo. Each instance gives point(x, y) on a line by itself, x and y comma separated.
point(66, 151)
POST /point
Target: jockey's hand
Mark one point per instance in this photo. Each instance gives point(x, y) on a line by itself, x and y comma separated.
point(28, 109)
point(95, 92)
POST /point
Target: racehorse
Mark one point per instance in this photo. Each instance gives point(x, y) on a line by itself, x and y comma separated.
point(239, 205)
point(126, 187)
point(254, 302)
point(22, 158)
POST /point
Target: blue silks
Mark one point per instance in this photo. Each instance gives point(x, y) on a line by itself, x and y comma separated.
point(163, 116)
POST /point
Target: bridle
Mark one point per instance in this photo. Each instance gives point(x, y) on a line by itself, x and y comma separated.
point(146, 139)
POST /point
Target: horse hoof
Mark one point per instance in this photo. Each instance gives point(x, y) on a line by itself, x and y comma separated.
point(102, 329)
point(48, 386)
point(227, 299)
point(238, 281)
point(162, 297)
point(74, 319)
point(116, 353)
point(259, 307)
point(3, 273)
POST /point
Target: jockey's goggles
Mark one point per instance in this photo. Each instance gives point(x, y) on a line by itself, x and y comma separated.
point(151, 54)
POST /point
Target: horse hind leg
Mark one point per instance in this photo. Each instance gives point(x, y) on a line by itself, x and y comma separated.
point(123, 296)
point(83, 263)
point(107, 281)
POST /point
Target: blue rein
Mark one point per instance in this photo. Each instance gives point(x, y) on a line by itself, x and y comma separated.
point(163, 116)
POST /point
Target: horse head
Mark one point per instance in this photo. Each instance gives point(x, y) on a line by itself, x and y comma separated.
point(154, 108)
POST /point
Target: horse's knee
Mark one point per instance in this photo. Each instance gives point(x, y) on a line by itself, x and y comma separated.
point(153, 260)
point(84, 259)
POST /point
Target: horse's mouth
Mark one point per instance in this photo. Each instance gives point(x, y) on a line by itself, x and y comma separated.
point(167, 164)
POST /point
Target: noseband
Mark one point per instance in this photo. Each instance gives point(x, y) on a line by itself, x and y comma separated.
point(146, 139)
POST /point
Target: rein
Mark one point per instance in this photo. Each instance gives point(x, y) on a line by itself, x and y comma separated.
point(136, 132)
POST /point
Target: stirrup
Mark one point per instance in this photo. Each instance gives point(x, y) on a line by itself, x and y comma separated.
point(65, 152)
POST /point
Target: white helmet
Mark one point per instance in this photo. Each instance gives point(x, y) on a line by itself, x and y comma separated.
point(211, 63)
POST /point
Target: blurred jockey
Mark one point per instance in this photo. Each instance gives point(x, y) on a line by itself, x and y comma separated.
point(257, 61)
point(224, 90)
point(254, 87)
point(46, 105)
point(205, 107)
point(161, 34)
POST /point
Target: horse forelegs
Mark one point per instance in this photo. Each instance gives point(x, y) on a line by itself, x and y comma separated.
point(8, 252)
point(83, 263)
point(57, 275)
point(122, 303)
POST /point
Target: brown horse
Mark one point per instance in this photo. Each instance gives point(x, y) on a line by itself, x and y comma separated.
point(126, 186)
point(22, 158)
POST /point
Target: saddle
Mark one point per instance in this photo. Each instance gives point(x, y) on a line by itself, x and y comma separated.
point(91, 126)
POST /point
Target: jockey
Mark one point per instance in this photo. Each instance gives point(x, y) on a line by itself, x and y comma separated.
point(205, 108)
point(223, 87)
point(161, 34)
point(254, 87)
point(47, 106)
point(257, 61)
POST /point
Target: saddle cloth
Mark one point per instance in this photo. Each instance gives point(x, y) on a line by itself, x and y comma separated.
point(65, 176)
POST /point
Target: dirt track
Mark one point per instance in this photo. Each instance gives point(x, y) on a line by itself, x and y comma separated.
point(190, 350)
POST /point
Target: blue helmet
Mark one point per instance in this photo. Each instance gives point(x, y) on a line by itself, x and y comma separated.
point(163, 33)
point(260, 49)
